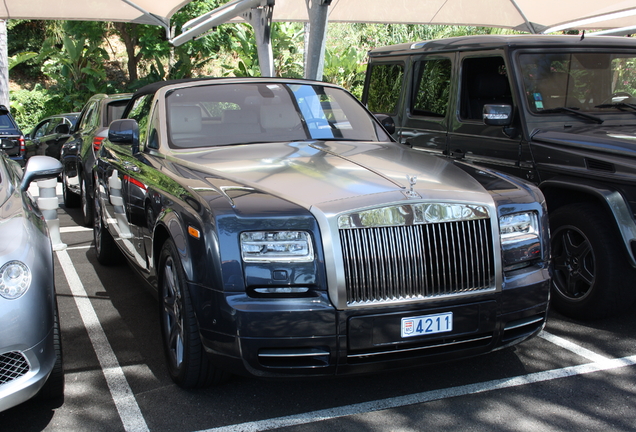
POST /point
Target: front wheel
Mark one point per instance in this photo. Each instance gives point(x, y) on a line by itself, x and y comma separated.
point(591, 273)
point(71, 199)
point(188, 363)
point(87, 204)
point(53, 389)
point(105, 247)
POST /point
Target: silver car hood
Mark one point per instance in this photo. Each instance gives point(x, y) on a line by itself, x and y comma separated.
point(337, 176)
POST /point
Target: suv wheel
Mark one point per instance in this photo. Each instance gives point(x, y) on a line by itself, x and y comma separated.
point(105, 247)
point(591, 273)
point(71, 200)
point(87, 204)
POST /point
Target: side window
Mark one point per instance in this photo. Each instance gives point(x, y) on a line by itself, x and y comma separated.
point(50, 129)
point(385, 83)
point(85, 122)
point(432, 87)
point(41, 130)
point(484, 81)
point(140, 111)
point(153, 135)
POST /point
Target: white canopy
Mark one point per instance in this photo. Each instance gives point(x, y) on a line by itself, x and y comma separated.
point(534, 16)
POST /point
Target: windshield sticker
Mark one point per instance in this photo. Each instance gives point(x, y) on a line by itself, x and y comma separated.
point(538, 100)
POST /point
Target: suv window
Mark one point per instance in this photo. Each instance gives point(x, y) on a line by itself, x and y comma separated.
point(582, 81)
point(432, 87)
point(140, 111)
point(41, 130)
point(87, 118)
point(384, 88)
point(484, 81)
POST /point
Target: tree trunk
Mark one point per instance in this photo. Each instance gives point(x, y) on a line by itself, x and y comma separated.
point(128, 34)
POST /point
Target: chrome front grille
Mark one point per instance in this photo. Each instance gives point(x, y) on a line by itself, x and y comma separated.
point(12, 366)
point(393, 263)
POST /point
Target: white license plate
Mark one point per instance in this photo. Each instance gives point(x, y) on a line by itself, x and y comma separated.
point(427, 324)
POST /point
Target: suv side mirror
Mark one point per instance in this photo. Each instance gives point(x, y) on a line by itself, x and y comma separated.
point(124, 132)
point(387, 122)
point(63, 129)
point(497, 115)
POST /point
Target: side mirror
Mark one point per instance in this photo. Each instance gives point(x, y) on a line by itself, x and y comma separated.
point(39, 168)
point(62, 129)
point(497, 115)
point(4, 110)
point(124, 132)
point(387, 122)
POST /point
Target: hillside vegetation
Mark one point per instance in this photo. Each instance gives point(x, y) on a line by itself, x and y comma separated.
point(55, 66)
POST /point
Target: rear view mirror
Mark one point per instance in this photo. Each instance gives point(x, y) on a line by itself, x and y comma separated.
point(124, 132)
point(387, 122)
point(39, 168)
point(62, 129)
point(497, 115)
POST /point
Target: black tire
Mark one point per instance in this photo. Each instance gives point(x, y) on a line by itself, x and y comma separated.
point(188, 364)
point(71, 200)
point(105, 247)
point(53, 389)
point(86, 204)
point(592, 277)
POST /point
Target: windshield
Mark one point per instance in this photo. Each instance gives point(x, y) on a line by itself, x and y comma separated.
point(227, 114)
point(599, 82)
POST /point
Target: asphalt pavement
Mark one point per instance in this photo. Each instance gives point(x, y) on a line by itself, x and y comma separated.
point(576, 376)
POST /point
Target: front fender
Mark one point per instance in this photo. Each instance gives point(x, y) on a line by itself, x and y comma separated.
point(613, 201)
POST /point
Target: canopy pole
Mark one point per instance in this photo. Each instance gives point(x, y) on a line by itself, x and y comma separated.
point(261, 21)
point(315, 41)
point(529, 25)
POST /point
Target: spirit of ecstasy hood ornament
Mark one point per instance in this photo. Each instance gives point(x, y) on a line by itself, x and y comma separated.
point(412, 182)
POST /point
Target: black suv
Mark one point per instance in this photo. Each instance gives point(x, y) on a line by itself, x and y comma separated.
point(78, 153)
point(559, 111)
point(12, 139)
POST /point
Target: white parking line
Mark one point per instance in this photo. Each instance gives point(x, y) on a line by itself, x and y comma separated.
point(76, 228)
point(570, 346)
point(418, 398)
point(120, 391)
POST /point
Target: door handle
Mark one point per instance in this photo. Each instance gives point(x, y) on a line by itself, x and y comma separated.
point(457, 154)
point(131, 167)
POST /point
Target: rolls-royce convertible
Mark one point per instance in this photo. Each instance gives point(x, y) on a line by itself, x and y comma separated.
point(286, 234)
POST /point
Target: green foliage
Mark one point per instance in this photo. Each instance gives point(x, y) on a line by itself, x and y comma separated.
point(345, 67)
point(77, 68)
point(20, 58)
point(30, 106)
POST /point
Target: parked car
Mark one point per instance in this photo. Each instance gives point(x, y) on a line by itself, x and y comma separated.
point(12, 140)
point(78, 154)
point(286, 234)
point(51, 133)
point(30, 343)
point(559, 111)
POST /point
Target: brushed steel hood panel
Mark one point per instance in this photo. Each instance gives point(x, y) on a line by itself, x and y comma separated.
point(326, 174)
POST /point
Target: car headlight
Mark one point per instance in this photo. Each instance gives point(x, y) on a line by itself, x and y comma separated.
point(520, 240)
point(15, 279)
point(281, 246)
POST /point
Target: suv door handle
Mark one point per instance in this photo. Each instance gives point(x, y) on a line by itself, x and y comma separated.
point(131, 166)
point(457, 154)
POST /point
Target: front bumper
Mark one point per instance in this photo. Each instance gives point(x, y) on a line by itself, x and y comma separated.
point(305, 337)
point(39, 361)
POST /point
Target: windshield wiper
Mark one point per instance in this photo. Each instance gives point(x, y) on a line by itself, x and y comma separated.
point(619, 105)
point(574, 111)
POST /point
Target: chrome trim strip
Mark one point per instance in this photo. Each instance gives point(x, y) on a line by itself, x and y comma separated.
point(419, 348)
